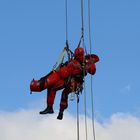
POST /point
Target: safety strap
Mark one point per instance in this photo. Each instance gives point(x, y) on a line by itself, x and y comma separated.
point(69, 52)
point(62, 56)
point(60, 59)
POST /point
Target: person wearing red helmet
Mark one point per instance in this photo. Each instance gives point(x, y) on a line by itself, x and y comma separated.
point(76, 81)
point(79, 54)
point(68, 76)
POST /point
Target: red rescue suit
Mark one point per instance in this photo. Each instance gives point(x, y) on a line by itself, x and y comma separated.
point(56, 79)
point(78, 82)
point(65, 77)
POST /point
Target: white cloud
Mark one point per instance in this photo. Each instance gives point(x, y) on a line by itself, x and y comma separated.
point(28, 125)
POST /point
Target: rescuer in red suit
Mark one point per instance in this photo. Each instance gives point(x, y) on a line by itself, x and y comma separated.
point(68, 76)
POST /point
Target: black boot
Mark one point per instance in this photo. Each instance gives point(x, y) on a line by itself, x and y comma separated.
point(60, 116)
point(48, 110)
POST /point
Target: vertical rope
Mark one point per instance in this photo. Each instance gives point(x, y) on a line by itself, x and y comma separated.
point(77, 117)
point(69, 53)
point(89, 27)
point(66, 9)
point(82, 37)
point(90, 44)
point(82, 24)
point(82, 17)
point(85, 108)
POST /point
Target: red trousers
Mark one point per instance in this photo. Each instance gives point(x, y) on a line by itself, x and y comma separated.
point(71, 87)
point(64, 98)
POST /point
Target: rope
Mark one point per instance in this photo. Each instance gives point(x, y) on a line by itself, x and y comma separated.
point(69, 52)
point(77, 117)
point(89, 27)
point(66, 9)
point(82, 24)
point(82, 39)
point(61, 57)
point(93, 123)
point(85, 108)
point(90, 44)
point(82, 17)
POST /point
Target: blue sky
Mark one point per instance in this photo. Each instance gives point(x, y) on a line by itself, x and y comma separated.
point(32, 35)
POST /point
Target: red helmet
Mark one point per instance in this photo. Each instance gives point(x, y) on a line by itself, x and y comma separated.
point(92, 57)
point(79, 53)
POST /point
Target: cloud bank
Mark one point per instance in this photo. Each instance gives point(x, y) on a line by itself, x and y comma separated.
point(28, 125)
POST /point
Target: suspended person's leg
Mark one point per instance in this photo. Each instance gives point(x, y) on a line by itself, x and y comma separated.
point(45, 82)
point(50, 101)
point(63, 103)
